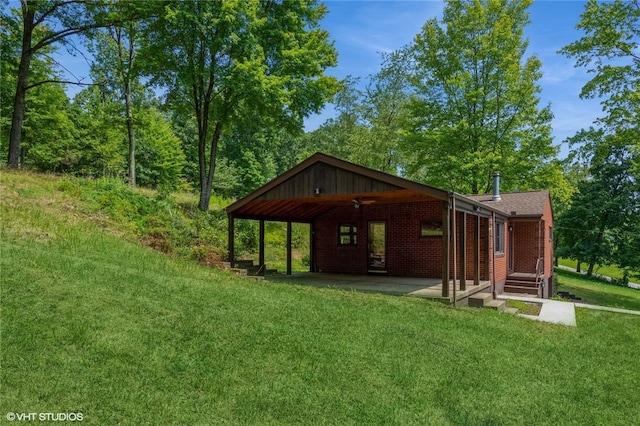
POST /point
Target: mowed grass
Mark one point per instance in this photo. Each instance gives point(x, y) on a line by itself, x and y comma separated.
point(607, 271)
point(593, 291)
point(125, 335)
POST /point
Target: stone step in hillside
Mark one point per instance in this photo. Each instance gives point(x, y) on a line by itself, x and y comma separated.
point(246, 268)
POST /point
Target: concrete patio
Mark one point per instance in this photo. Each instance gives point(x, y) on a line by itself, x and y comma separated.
point(427, 288)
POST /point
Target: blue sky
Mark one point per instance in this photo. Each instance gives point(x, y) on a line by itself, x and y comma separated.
point(362, 30)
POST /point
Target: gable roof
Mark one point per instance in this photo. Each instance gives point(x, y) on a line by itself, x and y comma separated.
point(323, 182)
point(517, 204)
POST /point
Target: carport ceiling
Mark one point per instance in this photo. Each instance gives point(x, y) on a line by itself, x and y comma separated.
point(307, 208)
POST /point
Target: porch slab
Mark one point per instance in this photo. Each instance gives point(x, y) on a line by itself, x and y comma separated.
point(427, 288)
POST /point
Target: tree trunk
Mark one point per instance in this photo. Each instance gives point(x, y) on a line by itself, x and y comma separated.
point(132, 139)
point(578, 268)
point(15, 135)
point(207, 187)
point(598, 242)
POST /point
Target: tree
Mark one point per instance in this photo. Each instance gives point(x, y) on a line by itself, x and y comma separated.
point(222, 58)
point(49, 140)
point(160, 155)
point(367, 127)
point(610, 50)
point(474, 106)
point(45, 23)
point(115, 50)
point(598, 225)
point(101, 135)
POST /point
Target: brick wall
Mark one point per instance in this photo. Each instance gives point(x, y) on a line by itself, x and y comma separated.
point(527, 245)
point(407, 253)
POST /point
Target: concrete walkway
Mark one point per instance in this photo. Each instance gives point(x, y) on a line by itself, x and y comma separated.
point(558, 312)
point(606, 308)
point(552, 311)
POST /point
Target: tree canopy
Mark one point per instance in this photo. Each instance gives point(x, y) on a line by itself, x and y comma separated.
point(474, 101)
point(602, 224)
point(222, 59)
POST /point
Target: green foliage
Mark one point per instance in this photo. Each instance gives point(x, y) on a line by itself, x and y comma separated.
point(474, 106)
point(235, 60)
point(101, 137)
point(159, 159)
point(367, 128)
point(44, 24)
point(609, 49)
point(9, 54)
point(601, 222)
point(49, 135)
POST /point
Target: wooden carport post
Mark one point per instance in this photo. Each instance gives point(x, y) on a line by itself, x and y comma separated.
point(261, 246)
point(445, 248)
point(289, 248)
point(476, 251)
point(230, 236)
point(463, 252)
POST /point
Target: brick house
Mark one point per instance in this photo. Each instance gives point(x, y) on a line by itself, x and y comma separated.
point(363, 221)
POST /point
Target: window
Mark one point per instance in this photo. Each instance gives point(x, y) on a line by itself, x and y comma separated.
point(347, 234)
point(550, 234)
point(499, 237)
point(430, 228)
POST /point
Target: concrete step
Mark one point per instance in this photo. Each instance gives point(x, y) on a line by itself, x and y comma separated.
point(511, 311)
point(255, 277)
point(479, 300)
point(244, 263)
point(521, 277)
point(498, 305)
point(519, 289)
point(521, 283)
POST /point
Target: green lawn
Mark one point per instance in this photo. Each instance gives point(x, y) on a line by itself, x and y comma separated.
point(125, 335)
point(607, 271)
point(597, 292)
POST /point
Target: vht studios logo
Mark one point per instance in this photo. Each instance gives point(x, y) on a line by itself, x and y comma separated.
point(43, 417)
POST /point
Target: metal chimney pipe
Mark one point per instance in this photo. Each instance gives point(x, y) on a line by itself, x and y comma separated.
point(496, 187)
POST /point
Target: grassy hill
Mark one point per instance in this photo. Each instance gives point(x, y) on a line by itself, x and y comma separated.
point(94, 322)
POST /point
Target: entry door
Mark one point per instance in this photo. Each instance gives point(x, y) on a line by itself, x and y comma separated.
point(377, 247)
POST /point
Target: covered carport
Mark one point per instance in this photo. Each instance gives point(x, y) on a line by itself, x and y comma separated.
point(323, 186)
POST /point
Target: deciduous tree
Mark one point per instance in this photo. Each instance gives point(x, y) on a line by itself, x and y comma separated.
point(221, 58)
point(598, 225)
point(610, 51)
point(45, 23)
point(475, 105)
